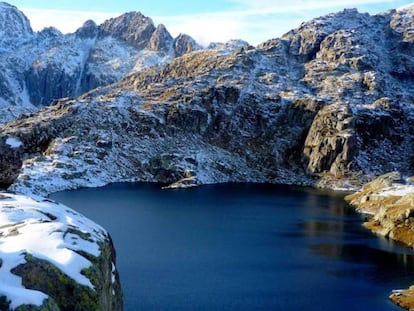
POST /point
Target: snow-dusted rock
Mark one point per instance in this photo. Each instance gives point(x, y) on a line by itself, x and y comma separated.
point(324, 112)
point(14, 26)
point(132, 27)
point(184, 44)
point(389, 200)
point(10, 160)
point(37, 68)
point(161, 40)
point(52, 258)
point(330, 144)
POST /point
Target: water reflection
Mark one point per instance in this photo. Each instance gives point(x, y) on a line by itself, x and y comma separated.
point(383, 266)
point(244, 247)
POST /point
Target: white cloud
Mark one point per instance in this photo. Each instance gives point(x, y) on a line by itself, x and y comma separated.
point(221, 27)
point(253, 21)
point(64, 20)
point(278, 6)
point(204, 28)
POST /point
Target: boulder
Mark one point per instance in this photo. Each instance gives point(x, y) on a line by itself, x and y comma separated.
point(52, 258)
point(11, 150)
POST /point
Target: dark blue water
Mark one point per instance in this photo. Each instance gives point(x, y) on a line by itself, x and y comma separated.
point(243, 247)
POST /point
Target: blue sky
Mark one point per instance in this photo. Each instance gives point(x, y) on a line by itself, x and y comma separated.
point(215, 20)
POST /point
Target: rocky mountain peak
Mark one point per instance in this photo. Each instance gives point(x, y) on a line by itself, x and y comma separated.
point(306, 39)
point(132, 27)
point(184, 44)
point(88, 30)
point(161, 40)
point(13, 24)
point(50, 32)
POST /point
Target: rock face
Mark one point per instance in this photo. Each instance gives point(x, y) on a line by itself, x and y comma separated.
point(403, 298)
point(14, 25)
point(331, 144)
point(184, 44)
point(37, 68)
point(161, 40)
point(133, 27)
point(72, 268)
point(11, 159)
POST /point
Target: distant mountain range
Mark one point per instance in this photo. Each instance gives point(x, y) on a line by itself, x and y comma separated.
point(39, 67)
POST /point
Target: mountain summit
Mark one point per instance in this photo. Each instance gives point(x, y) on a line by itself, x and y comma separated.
point(14, 25)
point(132, 27)
point(37, 68)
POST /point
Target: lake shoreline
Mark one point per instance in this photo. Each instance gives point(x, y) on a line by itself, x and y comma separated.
point(388, 203)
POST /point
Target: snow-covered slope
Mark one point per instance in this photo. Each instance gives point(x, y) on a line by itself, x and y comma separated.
point(37, 68)
point(14, 26)
point(61, 248)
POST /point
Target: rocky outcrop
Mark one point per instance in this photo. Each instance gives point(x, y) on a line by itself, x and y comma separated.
point(389, 201)
point(403, 298)
point(133, 27)
point(184, 44)
point(72, 268)
point(331, 143)
point(89, 30)
point(391, 204)
point(14, 25)
point(11, 159)
point(305, 41)
point(161, 40)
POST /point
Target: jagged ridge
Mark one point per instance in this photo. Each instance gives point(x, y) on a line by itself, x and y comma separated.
point(37, 68)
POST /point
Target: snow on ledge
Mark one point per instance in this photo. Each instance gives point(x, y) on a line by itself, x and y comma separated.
point(47, 231)
point(13, 142)
point(397, 190)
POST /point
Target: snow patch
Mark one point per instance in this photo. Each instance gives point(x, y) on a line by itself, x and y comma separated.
point(397, 190)
point(13, 142)
point(48, 231)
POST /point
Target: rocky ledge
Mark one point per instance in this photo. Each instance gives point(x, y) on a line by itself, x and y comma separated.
point(389, 200)
point(53, 258)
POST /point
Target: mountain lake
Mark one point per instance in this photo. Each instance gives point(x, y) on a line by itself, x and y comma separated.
point(243, 247)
